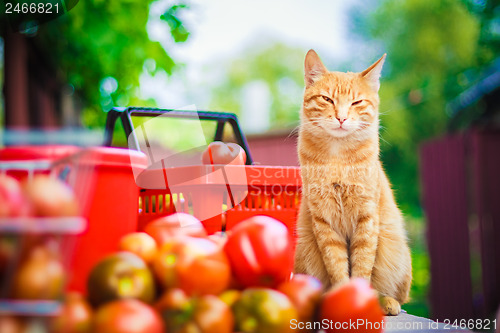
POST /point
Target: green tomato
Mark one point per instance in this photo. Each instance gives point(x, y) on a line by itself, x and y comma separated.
point(264, 310)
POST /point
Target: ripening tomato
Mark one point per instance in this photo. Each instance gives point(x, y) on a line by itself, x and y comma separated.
point(260, 250)
point(356, 302)
point(219, 152)
point(12, 200)
point(10, 324)
point(218, 238)
point(264, 310)
point(305, 292)
point(141, 244)
point(75, 316)
point(175, 225)
point(196, 265)
point(118, 276)
point(40, 276)
point(127, 316)
point(51, 197)
point(230, 296)
point(204, 314)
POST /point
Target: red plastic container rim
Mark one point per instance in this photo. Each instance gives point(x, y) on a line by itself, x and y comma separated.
point(45, 152)
point(114, 157)
point(100, 156)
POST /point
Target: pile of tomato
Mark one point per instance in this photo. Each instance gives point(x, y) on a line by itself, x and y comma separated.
point(175, 278)
point(31, 264)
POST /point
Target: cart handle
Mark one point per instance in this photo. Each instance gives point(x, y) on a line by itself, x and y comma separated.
point(125, 114)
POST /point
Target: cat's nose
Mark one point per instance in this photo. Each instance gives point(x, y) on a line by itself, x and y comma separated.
point(341, 120)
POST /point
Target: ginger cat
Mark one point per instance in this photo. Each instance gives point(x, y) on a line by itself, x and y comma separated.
point(348, 224)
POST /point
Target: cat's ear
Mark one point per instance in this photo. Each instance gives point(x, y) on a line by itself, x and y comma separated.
point(313, 68)
point(372, 73)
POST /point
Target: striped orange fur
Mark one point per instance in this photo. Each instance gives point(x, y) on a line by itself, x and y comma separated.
point(349, 224)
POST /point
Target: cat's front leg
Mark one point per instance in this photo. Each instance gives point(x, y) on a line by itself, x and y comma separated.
point(363, 246)
point(333, 249)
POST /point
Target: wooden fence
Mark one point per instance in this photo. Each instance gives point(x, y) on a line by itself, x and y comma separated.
point(274, 149)
point(461, 197)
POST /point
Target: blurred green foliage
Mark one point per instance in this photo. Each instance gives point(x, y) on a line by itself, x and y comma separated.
point(279, 66)
point(177, 28)
point(436, 50)
point(420, 268)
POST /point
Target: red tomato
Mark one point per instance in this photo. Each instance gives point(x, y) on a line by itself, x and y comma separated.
point(218, 152)
point(51, 197)
point(205, 314)
point(305, 292)
point(354, 302)
point(241, 158)
point(127, 316)
point(218, 238)
point(141, 244)
point(260, 250)
point(174, 225)
point(196, 265)
point(75, 316)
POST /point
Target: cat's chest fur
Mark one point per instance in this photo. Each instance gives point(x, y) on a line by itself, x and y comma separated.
point(338, 192)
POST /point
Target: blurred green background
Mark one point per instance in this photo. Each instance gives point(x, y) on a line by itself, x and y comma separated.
point(206, 56)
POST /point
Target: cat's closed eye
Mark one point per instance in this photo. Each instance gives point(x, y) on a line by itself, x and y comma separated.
point(357, 102)
point(328, 99)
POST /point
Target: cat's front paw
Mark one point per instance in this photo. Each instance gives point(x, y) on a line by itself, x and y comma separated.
point(390, 306)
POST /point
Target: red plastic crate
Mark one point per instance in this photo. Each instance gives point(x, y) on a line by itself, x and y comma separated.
point(203, 191)
point(19, 234)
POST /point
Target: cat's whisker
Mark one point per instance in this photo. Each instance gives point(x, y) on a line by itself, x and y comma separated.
point(385, 141)
point(386, 111)
point(294, 131)
point(383, 129)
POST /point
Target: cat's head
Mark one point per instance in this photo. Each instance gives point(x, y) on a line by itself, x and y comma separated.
point(341, 104)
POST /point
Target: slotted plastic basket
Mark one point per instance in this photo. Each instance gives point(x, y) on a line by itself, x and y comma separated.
point(219, 195)
point(22, 237)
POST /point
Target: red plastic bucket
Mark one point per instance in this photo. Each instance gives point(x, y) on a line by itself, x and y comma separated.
point(113, 207)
